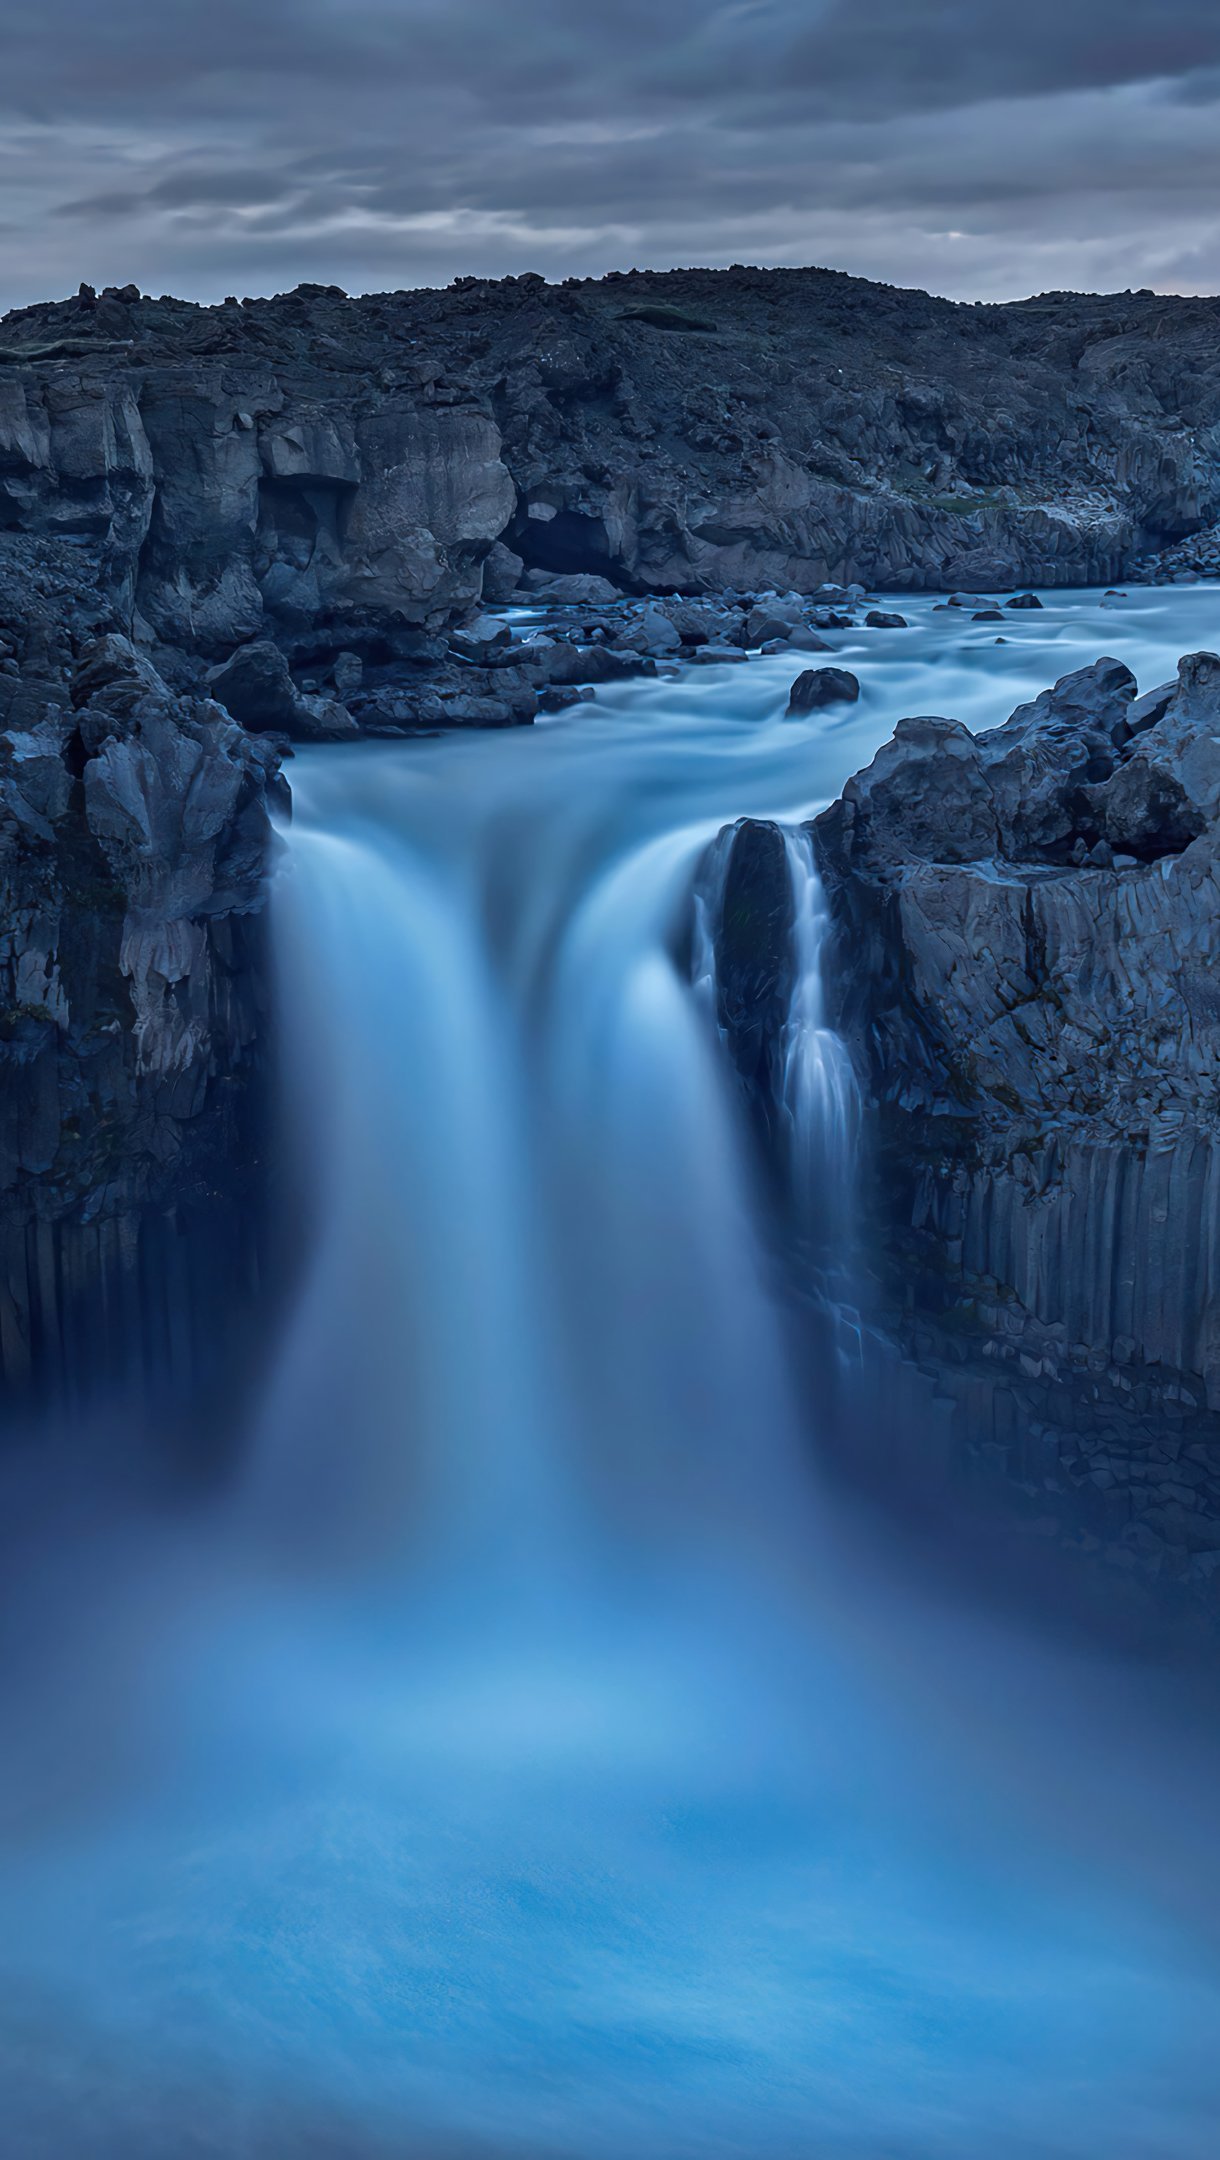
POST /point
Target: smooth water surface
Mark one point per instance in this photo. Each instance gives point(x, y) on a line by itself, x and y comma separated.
point(527, 1755)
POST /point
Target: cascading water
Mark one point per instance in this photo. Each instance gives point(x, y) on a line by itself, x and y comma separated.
point(818, 1094)
point(529, 1758)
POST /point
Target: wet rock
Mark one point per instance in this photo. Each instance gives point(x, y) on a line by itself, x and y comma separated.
point(822, 686)
point(752, 901)
point(1024, 600)
point(256, 687)
point(577, 589)
point(651, 632)
point(480, 639)
point(878, 619)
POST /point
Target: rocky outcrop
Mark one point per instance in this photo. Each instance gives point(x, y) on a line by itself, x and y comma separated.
point(134, 843)
point(1026, 974)
point(353, 475)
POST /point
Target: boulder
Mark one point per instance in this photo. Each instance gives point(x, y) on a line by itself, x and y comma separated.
point(652, 632)
point(257, 688)
point(571, 589)
point(502, 572)
point(878, 619)
point(822, 686)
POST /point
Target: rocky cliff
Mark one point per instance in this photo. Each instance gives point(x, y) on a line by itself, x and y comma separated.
point(134, 842)
point(1026, 973)
point(352, 475)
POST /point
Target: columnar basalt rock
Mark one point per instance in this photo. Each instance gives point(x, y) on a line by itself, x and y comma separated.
point(134, 846)
point(1027, 944)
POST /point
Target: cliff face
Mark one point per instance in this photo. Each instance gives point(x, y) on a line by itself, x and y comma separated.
point(1022, 965)
point(1025, 972)
point(341, 473)
point(134, 839)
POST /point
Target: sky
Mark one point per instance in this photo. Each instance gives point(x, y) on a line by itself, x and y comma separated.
point(980, 148)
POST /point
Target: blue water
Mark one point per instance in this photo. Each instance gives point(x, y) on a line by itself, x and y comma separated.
point(529, 1755)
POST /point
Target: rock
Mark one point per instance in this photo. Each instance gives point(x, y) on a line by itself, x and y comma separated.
point(652, 632)
point(501, 573)
point(1168, 789)
point(1038, 1032)
point(1144, 712)
point(924, 793)
point(578, 589)
point(772, 620)
point(347, 674)
point(822, 686)
point(479, 639)
point(1024, 600)
point(987, 615)
point(877, 619)
point(554, 699)
point(134, 838)
point(256, 687)
point(750, 901)
point(1042, 764)
point(703, 622)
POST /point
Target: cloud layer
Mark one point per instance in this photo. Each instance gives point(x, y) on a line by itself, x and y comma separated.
point(967, 145)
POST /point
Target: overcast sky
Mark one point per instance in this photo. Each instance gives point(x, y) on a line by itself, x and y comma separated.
point(982, 148)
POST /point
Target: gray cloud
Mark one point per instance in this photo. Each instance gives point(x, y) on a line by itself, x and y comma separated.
point(964, 144)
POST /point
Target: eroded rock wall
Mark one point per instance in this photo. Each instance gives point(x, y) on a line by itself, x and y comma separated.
point(313, 467)
point(1026, 973)
point(134, 848)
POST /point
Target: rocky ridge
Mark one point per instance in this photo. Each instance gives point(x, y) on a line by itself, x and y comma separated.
point(345, 475)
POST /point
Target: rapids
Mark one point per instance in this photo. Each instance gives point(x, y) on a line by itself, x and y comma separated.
point(528, 1753)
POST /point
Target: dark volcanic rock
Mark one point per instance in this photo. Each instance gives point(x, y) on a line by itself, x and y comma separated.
point(256, 687)
point(822, 686)
point(345, 466)
point(752, 903)
point(1026, 942)
point(133, 849)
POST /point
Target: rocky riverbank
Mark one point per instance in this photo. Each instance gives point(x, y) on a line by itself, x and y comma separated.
point(354, 475)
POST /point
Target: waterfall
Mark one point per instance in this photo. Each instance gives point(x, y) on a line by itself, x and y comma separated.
point(818, 1092)
point(813, 1107)
point(531, 1752)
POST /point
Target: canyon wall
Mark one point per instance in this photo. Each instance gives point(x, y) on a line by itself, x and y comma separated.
point(355, 474)
point(134, 843)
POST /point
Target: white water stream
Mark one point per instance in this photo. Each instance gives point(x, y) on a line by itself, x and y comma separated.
point(528, 1756)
